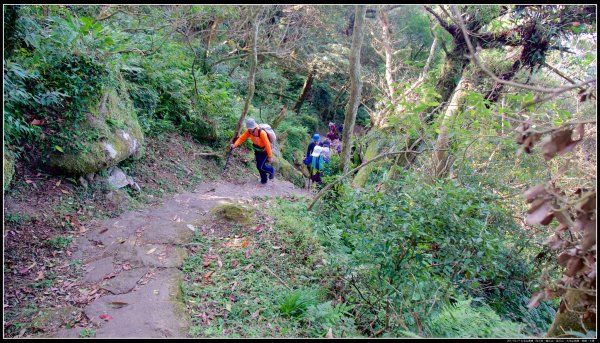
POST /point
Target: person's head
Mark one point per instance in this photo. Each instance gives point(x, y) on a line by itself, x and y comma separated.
point(325, 143)
point(251, 124)
point(316, 137)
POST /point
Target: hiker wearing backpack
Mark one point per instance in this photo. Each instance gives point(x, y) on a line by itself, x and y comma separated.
point(262, 149)
point(319, 157)
point(308, 158)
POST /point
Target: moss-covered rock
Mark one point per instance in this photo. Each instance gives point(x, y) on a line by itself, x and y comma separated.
point(233, 213)
point(287, 171)
point(114, 134)
point(8, 169)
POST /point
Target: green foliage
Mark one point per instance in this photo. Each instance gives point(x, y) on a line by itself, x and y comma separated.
point(297, 138)
point(59, 242)
point(87, 333)
point(465, 320)
point(426, 243)
point(295, 303)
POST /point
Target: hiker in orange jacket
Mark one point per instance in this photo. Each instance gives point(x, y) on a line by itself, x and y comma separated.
point(261, 147)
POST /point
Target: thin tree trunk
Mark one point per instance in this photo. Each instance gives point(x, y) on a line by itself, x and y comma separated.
point(213, 28)
point(440, 155)
point(425, 70)
point(254, 60)
point(356, 86)
point(304, 93)
point(335, 101)
point(279, 119)
point(389, 52)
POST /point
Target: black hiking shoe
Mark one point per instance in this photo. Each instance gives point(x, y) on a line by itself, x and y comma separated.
point(272, 176)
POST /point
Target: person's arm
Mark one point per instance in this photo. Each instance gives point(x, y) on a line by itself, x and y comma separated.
point(265, 139)
point(309, 151)
point(242, 138)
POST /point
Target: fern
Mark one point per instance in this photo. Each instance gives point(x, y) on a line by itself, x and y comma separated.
point(296, 303)
point(464, 320)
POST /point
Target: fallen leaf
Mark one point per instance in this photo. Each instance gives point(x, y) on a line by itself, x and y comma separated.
point(234, 264)
point(276, 247)
point(127, 266)
point(105, 317)
point(155, 292)
point(245, 243)
point(151, 251)
point(233, 298)
point(191, 227)
point(37, 122)
point(247, 253)
point(329, 333)
point(28, 181)
point(259, 228)
point(220, 263)
point(255, 314)
point(208, 275)
point(40, 275)
point(64, 191)
point(58, 183)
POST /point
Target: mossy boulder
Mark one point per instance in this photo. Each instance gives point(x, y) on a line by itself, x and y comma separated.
point(233, 212)
point(114, 134)
point(287, 171)
point(8, 168)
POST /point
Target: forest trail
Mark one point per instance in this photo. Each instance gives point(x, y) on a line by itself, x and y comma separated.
point(134, 259)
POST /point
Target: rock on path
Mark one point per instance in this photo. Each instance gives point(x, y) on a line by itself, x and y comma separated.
point(136, 256)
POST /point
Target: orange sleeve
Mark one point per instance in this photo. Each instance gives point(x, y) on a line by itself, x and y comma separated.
point(265, 138)
point(242, 138)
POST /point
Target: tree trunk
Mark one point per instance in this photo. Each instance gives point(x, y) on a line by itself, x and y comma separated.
point(304, 93)
point(389, 52)
point(439, 158)
point(569, 319)
point(279, 119)
point(254, 59)
point(213, 28)
point(356, 86)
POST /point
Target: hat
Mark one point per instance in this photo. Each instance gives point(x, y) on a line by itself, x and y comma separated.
point(250, 123)
point(316, 137)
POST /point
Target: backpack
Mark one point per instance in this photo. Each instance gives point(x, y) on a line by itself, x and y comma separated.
point(272, 137)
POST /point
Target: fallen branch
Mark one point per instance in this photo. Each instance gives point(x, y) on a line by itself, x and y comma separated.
point(278, 278)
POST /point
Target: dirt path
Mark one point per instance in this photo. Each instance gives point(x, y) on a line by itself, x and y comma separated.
point(134, 260)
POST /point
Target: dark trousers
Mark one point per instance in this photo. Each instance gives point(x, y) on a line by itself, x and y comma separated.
point(262, 166)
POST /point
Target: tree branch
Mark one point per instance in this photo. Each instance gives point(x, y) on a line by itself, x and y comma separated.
point(450, 28)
